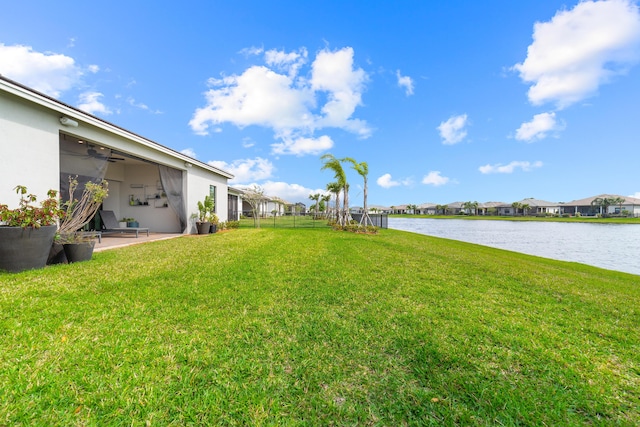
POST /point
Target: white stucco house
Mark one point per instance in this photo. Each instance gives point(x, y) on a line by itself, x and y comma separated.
point(43, 141)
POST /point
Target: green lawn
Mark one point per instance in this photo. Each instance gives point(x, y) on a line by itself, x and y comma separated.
point(316, 327)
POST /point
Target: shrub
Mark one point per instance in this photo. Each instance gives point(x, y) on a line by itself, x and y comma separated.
point(29, 215)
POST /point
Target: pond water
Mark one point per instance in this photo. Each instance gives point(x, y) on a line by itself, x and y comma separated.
point(610, 246)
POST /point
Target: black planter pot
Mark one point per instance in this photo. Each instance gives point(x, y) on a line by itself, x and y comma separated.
point(76, 252)
point(213, 228)
point(203, 227)
point(56, 255)
point(25, 249)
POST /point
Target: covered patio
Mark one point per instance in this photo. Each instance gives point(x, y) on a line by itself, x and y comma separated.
point(115, 240)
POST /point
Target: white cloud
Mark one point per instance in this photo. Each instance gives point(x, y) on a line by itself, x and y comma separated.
point(289, 62)
point(636, 195)
point(246, 170)
point(249, 51)
point(292, 193)
point(538, 127)
point(259, 96)
point(510, 168)
point(406, 82)
point(333, 73)
point(90, 102)
point(141, 106)
point(289, 105)
point(434, 178)
point(580, 49)
point(46, 72)
point(453, 130)
point(189, 152)
point(93, 68)
point(302, 146)
point(385, 181)
point(248, 142)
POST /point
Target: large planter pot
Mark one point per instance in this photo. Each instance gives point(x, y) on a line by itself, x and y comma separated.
point(213, 228)
point(77, 252)
point(203, 227)
point(25, 249)
point(56, 254)
point(133, 224)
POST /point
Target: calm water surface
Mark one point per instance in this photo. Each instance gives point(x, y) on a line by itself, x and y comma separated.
point(610, 246)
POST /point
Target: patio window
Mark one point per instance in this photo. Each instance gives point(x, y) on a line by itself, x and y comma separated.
point(212, 194)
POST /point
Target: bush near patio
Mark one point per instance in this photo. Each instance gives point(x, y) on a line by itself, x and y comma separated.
point(314, 327)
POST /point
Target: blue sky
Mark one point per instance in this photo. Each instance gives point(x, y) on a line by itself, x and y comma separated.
point(446, 101)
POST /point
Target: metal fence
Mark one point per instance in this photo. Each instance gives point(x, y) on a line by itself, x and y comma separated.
point(287, 221)
point(379, 220)
point(308, 220)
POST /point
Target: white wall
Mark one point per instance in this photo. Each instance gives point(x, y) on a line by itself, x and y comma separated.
point(29, 150)
point(198, 182)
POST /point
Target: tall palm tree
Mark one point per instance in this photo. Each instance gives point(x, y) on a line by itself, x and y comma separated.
point(363, 170)
point(335, 188)
point(525, 208)
point(326, 198)
point(330, 162)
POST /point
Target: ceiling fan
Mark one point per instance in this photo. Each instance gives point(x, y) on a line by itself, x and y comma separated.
point(91, 151)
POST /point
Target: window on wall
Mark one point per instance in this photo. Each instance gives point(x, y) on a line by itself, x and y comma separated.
point(212, 194)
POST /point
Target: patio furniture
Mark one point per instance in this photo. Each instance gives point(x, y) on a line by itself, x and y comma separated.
point(110, 223)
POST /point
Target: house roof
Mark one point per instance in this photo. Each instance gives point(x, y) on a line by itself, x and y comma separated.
point(74, 113)
point(426, 205)
point(538, 203)
point(589, 200)
point(455, 205)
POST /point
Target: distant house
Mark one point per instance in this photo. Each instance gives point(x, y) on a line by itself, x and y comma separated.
point(489, 208)
point(269, 206)
point(534, 207)
point(455, 208)
point(44, 141)
point(400, 209)
point(426, 209)
point(379, 209)
point(587, 207)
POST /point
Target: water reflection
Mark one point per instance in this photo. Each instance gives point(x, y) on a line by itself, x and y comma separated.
point(611, 246)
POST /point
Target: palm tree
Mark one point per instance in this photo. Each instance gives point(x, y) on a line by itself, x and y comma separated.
point(604, 203)
point(363, 170)
point(316, 198)
point(442, 208)
point(335, 188)
point(516, 206)
point(412, 208)
point(618, 201)
point(325, 198)
point(330, 162)
point(470, 207)
point(525, 208)
point(474, 206)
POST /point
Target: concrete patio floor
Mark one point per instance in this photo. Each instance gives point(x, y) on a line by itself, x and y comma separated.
point(119, 240)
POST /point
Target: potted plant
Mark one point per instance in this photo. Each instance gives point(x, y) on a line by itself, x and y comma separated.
point(123, 222)
point(205, 209)
point(131, 222)
point(77, 244)
point(27, 232)
point(213, 219)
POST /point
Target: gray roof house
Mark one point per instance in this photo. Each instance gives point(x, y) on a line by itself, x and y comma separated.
point(586, 206)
